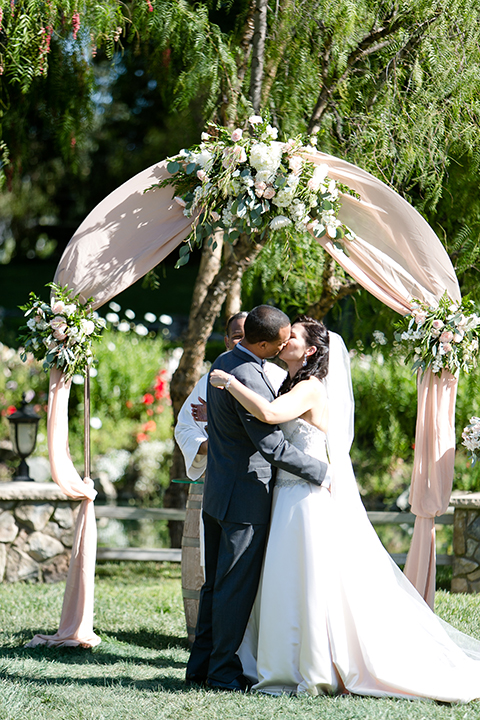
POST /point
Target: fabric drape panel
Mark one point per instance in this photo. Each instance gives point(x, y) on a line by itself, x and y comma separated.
point(396, 256)
point(125, 236)
point(76, 622)
point(432, 474)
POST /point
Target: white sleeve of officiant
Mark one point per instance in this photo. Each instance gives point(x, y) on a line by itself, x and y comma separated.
point(190, 434)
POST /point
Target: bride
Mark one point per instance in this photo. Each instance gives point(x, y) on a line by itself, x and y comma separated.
point(333, 611)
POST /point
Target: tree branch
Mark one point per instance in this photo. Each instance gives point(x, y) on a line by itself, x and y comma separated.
point(258, 53)
point(333, 290)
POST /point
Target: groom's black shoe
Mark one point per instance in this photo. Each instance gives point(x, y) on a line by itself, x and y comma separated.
point(240, 684)
point(195, 680)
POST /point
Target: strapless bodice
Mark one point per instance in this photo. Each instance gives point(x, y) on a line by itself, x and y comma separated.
point(304, 437)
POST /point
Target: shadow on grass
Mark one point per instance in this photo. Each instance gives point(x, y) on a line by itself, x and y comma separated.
point(146, 639)
point(103, 654)
point(160, 684)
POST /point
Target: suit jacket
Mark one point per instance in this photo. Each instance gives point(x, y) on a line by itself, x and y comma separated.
point(243, 451)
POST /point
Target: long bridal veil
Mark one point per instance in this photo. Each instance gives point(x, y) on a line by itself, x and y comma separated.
point(384, 638)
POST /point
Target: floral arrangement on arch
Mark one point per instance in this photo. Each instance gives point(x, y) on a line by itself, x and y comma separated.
point(60, 334)
point(246, 182)
point(445, 337)
point(471, 438)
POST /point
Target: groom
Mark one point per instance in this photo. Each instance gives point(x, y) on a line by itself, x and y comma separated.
point(237, 501)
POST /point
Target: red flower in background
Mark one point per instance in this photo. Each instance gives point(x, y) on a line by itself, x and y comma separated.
point(148, 399)
point(11, 409)
point(150, 426)
point(141, 437)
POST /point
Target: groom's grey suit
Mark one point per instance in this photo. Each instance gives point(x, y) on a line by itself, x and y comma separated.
point(242, 456)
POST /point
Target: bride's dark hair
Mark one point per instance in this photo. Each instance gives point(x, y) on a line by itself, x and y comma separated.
point(317, 364)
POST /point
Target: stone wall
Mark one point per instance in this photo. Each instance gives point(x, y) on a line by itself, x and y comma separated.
point(37, 523)
point(466, 543)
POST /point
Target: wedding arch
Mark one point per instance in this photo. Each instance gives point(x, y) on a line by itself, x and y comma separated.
point(396, 256)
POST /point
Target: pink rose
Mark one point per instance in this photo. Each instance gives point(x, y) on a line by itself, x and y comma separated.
point(58, 306)
point(202, 175)
point(215, 216)
point(446, 337)
point(437, 324)
point(236, 135)
point(239, 153)
point(57, 322)
point(59, 333)
point(446, 347)
point(420, 317)
point(260, 188)
point(313, 184)
point(269, 193)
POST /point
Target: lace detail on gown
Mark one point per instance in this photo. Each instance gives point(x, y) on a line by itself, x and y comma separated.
point(305, 437)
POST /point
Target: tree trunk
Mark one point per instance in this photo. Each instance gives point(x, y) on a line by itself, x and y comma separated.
point(258, 53)
point(189, 369)
point(233, 301)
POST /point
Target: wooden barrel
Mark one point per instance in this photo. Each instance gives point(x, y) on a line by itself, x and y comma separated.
point(192, 571)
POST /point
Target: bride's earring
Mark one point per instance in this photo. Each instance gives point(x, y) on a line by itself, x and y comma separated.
point(304, 360)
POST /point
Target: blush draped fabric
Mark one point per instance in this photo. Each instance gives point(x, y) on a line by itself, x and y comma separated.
point(396, 256)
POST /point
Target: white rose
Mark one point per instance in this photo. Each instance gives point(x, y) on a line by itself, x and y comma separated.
point(236, 135)
point(31, 323)
point(88, 326)
point(255, 120)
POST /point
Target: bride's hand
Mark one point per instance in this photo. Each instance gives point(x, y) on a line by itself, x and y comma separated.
point(220, 379)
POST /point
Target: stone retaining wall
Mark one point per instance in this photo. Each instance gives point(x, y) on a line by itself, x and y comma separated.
point(466, 543)
point(37, 523)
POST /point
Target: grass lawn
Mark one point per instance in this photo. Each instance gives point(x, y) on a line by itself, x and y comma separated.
point(138, 670)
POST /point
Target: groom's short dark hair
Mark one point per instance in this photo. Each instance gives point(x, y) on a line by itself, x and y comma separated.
point(264, 323)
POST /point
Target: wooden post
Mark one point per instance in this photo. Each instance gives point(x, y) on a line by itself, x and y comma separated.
point(86, 423)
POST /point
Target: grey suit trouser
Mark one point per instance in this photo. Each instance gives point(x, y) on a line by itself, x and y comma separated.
point(233, 563)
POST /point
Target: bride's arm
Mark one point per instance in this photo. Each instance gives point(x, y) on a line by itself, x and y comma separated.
point(292, 405)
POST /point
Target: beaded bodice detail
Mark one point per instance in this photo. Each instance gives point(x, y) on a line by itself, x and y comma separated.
point(304, 437)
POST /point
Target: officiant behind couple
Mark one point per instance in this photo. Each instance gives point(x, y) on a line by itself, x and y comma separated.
point(328, 592)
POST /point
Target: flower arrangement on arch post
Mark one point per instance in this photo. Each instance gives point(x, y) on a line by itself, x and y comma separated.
point(60, 333)
point(246, 182)
point(445, 337)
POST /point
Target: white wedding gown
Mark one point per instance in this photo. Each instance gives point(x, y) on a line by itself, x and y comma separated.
point(334, 613)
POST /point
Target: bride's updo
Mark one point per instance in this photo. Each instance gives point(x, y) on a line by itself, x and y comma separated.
point(316, 334)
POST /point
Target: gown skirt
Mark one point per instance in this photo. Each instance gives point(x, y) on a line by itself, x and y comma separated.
point(333, 611)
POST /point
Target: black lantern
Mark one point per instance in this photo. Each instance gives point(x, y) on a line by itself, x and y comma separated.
point(23, 433)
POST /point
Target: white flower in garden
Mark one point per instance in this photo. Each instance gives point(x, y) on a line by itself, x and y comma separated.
point(255, 120)
point(205, 136)
point(284, 197)
point(279, 221)
point(379, 337)
point(58, 306)
point(141, 330)
point(88, 326)
point(332, 231)
point(31, 323)
point(332, 189)
point(236, 135)
point(112, 317)
point(458, 336)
